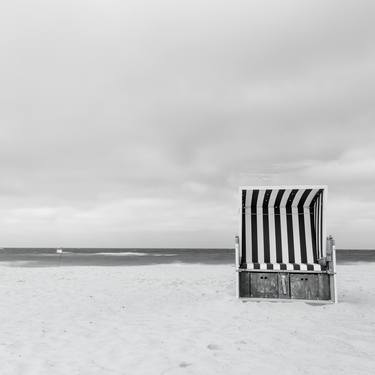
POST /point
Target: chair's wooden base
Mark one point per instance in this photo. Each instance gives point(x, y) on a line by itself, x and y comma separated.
point(285, 285)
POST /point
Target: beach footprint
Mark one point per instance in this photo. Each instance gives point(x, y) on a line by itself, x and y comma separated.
point(185, 364)
point(213, 347)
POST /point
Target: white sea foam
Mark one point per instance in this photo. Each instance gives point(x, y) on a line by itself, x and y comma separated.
point(136, 254)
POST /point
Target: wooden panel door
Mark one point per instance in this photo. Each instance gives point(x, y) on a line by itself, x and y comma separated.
point(304, 286)
point(264, 285)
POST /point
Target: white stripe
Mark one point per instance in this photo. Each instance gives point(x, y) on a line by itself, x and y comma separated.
point(263, 266)
point(309, 248)
point(276, 266)
point(250, 266)
point(303, 267)
point(295, 219)
point(284, 230)
point(249, 194)
point(260, 226)
point(271, 221)
point(297, 197)
point(289, 266)
point(310, 198)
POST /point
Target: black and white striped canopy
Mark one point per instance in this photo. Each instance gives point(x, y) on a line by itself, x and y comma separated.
point(282, 228)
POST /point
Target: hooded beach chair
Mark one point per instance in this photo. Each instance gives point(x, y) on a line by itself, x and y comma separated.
point(282, 251)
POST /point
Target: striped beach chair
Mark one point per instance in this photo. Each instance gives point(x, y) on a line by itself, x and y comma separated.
point(282, 250)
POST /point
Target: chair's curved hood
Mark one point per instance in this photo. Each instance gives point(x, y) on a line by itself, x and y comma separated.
point(282, 225)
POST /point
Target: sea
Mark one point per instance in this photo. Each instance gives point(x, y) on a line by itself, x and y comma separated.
point(117, 257)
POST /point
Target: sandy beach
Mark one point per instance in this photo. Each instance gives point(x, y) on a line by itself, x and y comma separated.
point(177, 319)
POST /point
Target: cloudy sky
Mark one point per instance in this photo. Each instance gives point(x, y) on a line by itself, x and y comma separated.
point(132, 123)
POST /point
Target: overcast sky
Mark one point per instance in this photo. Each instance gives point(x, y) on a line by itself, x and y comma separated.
point(132, 123)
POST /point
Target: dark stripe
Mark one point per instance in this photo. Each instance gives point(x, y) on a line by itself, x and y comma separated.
point(270, 266)
point(289, 223)
point(318, 225)
point(321, 224)
point(317, 228)
point(254, 231)
point(283, 267)
point(266, 228)
point(313, 234)
point(296, 267)
point(316, 213)
point(310, 267)
point(301, 219)
point(256, 266)
point(243, 241)
point(279, 255)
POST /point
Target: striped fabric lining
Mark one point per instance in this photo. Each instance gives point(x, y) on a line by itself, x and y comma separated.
point(281, 227)
point(285, 267)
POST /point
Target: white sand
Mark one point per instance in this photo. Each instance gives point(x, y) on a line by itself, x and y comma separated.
point(177, 319)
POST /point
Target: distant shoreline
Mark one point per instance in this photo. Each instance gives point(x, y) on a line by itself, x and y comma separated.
point(143, 248)
point(46, 257)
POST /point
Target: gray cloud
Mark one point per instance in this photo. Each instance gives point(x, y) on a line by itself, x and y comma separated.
point(133, 123)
